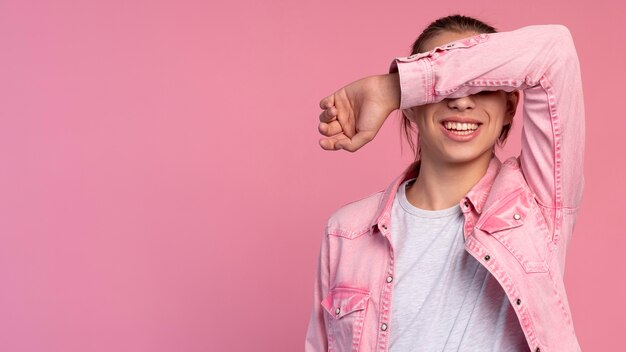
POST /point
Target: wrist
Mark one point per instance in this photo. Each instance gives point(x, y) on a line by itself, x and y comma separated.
point(391, 89)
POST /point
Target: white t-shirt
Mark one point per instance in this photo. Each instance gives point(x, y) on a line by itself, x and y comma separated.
point(444, 300)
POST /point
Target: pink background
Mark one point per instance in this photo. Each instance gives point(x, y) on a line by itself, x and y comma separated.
point(161, 184)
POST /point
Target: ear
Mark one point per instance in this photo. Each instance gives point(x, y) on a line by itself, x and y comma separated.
point(512, 99)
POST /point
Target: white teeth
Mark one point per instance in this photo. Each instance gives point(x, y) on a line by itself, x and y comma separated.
point(461, 126)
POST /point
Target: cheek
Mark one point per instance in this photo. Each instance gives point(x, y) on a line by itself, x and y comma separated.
point(495, 105)
point(423, 114)
point(496, 112)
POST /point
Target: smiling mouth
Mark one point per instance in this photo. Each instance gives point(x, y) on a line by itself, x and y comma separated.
point(460, 128)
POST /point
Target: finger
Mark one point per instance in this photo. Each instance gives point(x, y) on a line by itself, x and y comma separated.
point(345, 114)
point(326, 144)
point(347, 122)
point(330, 129)
point(332, 142)
point(355, 143)
point(328, 114)
point(327, 102)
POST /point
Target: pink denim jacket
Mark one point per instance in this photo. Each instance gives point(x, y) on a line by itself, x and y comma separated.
point(519, 217)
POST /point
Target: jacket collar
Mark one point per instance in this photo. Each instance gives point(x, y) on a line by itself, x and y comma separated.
point(476, 196)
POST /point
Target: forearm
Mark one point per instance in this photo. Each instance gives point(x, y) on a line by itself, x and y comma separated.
point(542, 61)
point(498, 61)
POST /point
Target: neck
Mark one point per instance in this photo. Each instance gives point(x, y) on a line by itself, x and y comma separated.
point(441, 185)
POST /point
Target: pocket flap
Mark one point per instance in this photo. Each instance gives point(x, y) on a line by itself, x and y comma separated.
point(344, 300)
point(509, 214)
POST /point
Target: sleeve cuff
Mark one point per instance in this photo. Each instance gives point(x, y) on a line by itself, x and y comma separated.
point(416, 80)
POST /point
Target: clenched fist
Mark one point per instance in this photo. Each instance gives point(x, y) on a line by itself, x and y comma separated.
point(354, 114)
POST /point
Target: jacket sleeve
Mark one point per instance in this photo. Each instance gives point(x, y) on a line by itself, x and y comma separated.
point(541, 61)
point(316, 337)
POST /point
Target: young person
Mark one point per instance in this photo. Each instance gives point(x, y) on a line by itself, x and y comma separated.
point(462, 252)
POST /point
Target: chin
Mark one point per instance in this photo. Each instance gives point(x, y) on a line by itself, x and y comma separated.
point(460, 159)
point(465, 157)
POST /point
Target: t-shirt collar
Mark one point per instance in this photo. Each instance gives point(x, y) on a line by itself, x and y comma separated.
point(475, 198)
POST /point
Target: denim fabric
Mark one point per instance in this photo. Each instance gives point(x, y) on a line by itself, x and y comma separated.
point(519, 217)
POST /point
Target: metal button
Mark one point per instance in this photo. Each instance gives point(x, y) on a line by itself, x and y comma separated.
point(337, 311)
point(383, 327)
point(516, 216)
point(487, 257)
point(519, 301)
point(384, 226)
point(466, 204)
point(389, 279)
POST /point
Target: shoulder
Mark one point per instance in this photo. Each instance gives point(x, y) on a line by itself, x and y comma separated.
point(355, 218)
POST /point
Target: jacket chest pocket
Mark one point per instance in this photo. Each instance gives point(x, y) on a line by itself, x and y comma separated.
point(346, 308)
point(518, 225)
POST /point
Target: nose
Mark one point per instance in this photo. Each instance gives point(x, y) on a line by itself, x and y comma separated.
point(462, 103)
